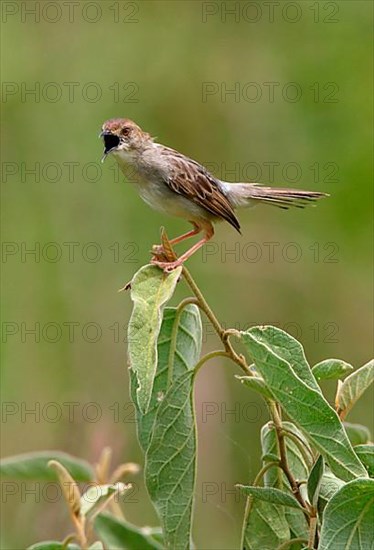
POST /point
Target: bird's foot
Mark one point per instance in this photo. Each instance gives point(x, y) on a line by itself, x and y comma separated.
point(168, 267)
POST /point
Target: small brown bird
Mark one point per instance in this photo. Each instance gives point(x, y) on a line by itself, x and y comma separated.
point(179, 186)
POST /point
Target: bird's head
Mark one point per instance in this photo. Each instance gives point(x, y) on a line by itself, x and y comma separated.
point(122, 135)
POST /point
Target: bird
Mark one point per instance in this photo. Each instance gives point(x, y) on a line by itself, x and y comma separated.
point(177, 185)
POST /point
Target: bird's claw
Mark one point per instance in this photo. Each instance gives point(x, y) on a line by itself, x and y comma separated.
point(163, 255)
point(168, 267)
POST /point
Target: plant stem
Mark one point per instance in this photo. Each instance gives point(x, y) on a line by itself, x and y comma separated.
point(223, 335)
point(79, 524)
point(203, 303)
point(283, 456)
point(208, 356)
point(263, 471)
point(312, 529)
point(68, 539)
point(204, 306)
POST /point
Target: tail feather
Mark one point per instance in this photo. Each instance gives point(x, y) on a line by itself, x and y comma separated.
point(247, 194)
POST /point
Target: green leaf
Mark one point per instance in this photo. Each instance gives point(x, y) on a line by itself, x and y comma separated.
point(353, 387)
point(97, 496)
point(366, 454)
point(178, 350)
point(357, 433)
point(330, 484)
point(314, 480)
point(269, 494)
point(281, 361)
point(283, 346)
point(270, 457)
point(98, 545)
point(331, 368)
point(171, 462)
point(53, 545)
point(35, 466)
point(151, 288)
point(257, 384)
point(267, 525)
point(121, 535)
point(179, 347)
point(348, 517)
point(156, 534)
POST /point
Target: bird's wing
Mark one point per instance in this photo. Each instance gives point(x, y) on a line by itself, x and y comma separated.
point(191, 180)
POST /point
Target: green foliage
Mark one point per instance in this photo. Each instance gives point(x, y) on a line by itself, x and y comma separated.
point(169, 439)
point(53, 545)
point(150, 290)
point(118, 534)
point(166, 430)
point(366, 454)
point(257, 384)
point(315, 480)
point(33, 466)
point(281, 361)
point(178, 350)
point(167, 56)
point(310, 469)
point(348, 517)
point(268, 494)
point(267, 525)
point(171, 462)
point(96, 497)
point(83, 506)
point(331, 369)
point(357, 433)
point(330, 484)
point(353, 387)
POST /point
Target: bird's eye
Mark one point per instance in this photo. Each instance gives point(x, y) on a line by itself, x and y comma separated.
point(125, 131)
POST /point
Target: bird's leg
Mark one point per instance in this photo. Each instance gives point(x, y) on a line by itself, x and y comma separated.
point(169, 266)
point(157, 249)
point(191, 233)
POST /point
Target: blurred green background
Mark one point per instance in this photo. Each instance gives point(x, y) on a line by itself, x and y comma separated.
point(170, 66)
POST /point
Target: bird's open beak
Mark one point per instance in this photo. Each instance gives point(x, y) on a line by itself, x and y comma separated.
point(111, 142)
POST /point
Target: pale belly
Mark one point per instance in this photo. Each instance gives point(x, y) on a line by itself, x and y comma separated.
point(158, 196)
point(155, 192)
point(162, 199)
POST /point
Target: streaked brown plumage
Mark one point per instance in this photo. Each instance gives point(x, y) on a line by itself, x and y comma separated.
point(177, 185)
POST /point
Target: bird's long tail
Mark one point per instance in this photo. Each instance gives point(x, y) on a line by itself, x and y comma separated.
point(249, 194)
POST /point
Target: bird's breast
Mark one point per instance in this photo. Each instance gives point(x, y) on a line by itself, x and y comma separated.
point(149, 180)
